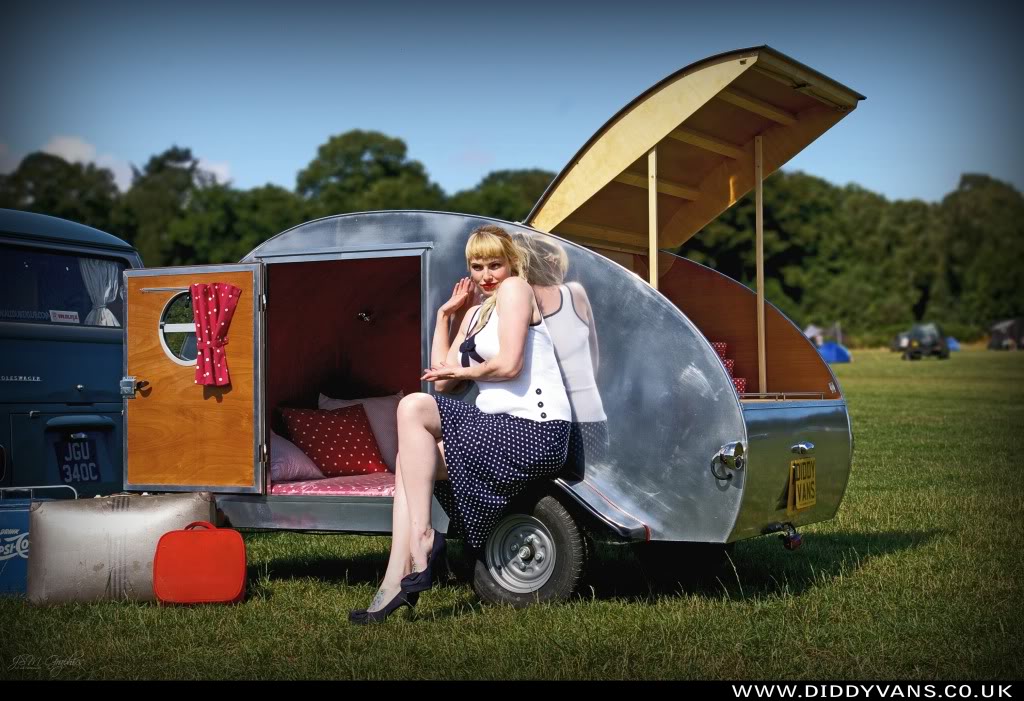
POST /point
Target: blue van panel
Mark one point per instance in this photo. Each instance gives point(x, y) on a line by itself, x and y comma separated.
point(58, 381)
point(42, 227)
point(40, 443)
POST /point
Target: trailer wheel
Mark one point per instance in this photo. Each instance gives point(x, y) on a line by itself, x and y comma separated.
point(535, 554)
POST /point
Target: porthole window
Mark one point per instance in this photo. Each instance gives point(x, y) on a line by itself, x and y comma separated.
point(178, 329)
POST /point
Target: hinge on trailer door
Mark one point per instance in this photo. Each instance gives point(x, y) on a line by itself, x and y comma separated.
point(263, 302)
point(264, 454)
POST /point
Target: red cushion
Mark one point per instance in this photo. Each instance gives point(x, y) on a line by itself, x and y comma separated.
point(339, 441)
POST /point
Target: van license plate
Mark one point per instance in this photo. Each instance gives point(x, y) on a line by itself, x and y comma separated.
point(802, 485)
point(78, 461)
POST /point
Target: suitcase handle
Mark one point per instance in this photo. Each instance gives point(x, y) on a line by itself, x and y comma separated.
point(204, 524)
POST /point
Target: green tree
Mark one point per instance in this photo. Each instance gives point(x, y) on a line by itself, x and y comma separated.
point(264, 212)
point(503, 194)
point(158, 196)
point(204, 232)
point(984, 246)
point(221, 224)
point(361, 170)
point(48, 184)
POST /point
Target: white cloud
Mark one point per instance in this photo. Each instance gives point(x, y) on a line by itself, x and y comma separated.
point(75, 149)
point(122, 170)
point(71, 148)
point(220, 169)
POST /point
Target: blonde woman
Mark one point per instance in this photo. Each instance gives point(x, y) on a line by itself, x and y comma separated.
point(517, 432)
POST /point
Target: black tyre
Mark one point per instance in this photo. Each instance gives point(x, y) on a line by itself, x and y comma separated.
point(536, 553)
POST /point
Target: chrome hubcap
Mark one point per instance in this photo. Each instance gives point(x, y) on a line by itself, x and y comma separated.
point(520, 554)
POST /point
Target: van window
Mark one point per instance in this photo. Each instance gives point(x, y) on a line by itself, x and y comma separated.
point(59, 288)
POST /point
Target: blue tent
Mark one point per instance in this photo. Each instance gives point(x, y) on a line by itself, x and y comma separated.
point(952, 344)
point(833, 352)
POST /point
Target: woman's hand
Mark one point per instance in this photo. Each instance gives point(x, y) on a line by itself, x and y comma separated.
point(461, 293)
point(443, 371)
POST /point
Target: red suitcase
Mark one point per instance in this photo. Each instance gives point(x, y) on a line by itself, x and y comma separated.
point(201, 564)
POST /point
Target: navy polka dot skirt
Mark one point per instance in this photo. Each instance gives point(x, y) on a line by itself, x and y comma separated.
point(491, 458)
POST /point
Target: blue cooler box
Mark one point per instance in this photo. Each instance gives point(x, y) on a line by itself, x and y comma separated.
point(13, 546)
point(14, 514)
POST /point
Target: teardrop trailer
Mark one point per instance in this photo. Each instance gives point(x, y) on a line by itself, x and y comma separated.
point(721, 420)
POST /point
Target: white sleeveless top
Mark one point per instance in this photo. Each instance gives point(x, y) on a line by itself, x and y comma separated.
point(537, 392)
point(571, 338)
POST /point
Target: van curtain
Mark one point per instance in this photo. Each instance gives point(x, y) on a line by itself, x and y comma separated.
point(213, 305)
point(101, 278)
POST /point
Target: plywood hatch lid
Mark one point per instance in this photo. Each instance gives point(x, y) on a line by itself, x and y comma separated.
point(703, 120)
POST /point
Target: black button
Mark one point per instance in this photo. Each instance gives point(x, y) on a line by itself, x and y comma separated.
point(538, 390)
point(540, 404)
point(543, 415)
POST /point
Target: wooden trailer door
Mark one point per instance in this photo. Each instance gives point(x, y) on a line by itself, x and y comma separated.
point(181, 435)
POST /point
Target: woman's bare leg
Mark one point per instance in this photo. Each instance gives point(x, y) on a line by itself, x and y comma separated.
point(419, 430)
point(399, 563)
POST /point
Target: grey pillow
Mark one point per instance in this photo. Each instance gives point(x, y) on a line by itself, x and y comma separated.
point(288, 463)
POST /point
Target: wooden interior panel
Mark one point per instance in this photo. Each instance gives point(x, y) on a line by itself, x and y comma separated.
point(725, 310)
point(178, 432)
point(702, 119)
point(317, 343)
point(684, 163)
point(773, 91)
point(728, 122)
point(734, 178)
point(625, 207)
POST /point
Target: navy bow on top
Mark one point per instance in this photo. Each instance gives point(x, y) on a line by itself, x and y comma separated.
point(468, 350)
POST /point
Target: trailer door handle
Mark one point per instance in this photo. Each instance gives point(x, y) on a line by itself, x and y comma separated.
point(129, 386)
point(803, 448)
point(729, 456)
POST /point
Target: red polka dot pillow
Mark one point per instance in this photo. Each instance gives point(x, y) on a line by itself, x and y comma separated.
point(338, 441)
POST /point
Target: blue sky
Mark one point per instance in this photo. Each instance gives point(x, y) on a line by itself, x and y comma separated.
point(254, 88)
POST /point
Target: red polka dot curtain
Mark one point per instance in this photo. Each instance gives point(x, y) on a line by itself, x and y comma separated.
point(213, 306)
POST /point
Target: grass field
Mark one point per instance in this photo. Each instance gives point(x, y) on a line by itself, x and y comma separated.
point(918, 577)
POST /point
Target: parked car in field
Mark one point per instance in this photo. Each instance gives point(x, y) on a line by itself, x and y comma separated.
point(925, 340)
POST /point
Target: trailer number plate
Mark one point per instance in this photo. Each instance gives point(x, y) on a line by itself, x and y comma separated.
point(802, 485)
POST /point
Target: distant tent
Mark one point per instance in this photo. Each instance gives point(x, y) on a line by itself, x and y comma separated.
point(835, 353)
point(952, 344)
point(1007, 335)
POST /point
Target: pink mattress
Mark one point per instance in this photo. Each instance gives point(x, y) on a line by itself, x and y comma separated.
point(380, 484)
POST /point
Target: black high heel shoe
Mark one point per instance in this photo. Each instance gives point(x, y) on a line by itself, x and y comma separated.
point(361, 617)
point(423, 580)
